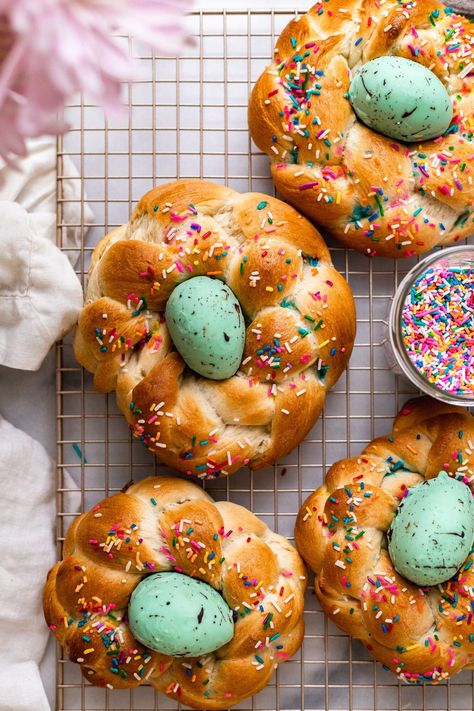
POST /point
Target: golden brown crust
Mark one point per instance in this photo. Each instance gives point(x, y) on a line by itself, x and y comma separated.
point(299, 310)
point(420, 634)
point(163, 524)
point(371, 192)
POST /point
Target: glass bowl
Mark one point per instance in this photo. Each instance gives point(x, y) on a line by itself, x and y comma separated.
point(454, 258)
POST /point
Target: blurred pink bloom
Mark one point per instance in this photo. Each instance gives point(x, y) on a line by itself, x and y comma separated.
point(51, 49)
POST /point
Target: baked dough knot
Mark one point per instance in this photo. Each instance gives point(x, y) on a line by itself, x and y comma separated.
point(421, 634)
point(373, 193)
point(300, 326)
point(166, 524)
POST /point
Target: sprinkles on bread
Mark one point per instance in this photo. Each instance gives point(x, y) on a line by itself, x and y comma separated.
point(167, 524)
point(299, 313)
point(374, 194)
point(420, 633)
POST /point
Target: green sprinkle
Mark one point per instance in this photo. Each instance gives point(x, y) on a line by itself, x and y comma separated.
point(379, 203)
point(153, 501)
point(78, 451)
point(262, 205)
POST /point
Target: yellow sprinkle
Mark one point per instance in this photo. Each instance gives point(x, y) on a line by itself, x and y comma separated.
point(269, 288)
point(88, 651)
point(321, 345)
point(338, 197)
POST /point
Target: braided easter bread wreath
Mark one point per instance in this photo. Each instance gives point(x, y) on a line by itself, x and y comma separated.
point(373, 193)
point(166, 524)
point(421, 633)
point(299, 326)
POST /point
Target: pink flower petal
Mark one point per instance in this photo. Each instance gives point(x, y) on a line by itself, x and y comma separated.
point(53, 49)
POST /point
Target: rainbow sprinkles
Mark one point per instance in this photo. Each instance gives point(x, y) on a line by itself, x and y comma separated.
point(437, 326)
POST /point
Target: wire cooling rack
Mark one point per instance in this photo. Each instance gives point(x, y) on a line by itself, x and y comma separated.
point(188, 118)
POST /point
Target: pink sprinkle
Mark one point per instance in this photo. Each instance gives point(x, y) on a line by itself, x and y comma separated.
point(307, 186)
point(177, 218)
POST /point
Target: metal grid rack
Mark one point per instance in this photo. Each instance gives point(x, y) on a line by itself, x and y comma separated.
point(187, 117)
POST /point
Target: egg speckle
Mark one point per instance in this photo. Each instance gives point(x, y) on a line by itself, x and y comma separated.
point(401, 99)
point(206, 323)
point(433, 531)
point(179, 616)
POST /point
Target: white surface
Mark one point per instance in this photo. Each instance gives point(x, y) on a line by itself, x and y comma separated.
point(26, 529)
point(248, 4)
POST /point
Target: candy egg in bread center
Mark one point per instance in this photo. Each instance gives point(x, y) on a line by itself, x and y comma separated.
point(433, 531)
point(401, 99)
point(179, 616)
point(206, 323)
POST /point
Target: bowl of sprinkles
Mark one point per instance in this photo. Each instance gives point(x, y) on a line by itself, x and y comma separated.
point(431, 325)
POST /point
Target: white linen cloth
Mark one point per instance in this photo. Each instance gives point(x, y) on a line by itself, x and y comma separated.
point(40, 296)
point(33, 185)
point(27, 482)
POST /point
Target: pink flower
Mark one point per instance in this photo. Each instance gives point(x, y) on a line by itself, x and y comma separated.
point(52, 49)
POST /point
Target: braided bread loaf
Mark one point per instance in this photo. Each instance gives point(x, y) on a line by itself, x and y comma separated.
point(299, 314)
point(163, 524)
point(421, 634)
point(371, 192)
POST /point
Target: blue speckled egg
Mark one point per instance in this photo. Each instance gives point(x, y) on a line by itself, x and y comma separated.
point(207, 326)
point(433, 532)
point(179, 616)
point(401, 99)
